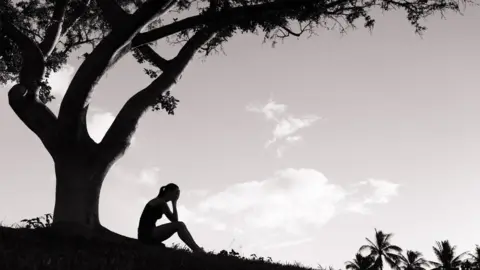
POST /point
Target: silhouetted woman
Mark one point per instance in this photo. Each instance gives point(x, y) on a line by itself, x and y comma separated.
point(154, 210)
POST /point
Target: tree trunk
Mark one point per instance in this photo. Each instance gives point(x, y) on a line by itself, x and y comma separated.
point(80, 172)
point(77, 194)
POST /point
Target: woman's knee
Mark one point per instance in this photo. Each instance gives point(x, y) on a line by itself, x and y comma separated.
point(180, 225)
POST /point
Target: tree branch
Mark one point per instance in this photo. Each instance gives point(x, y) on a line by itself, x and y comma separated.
point(108, 51)
point(32, 73)
point(216, 17)
point(167, 30)
point(53, 32)
point(23, 97)
point(152, 9)
point(113, 13)
point(153, 57)
point(35, 115)
point(290, 32)
point(117, 139)
point(68, 46)
point(76, 14)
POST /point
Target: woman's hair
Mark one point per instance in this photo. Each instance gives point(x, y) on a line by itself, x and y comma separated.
point(167, 188)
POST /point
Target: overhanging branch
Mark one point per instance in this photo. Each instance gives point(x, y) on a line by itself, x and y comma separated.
point(108, 51)
point(76, 14)
point(60, 24)
point(35, 115)
point(23, 96)
point(152, 9)
point(225, 16)
point(113, 13)
point(33, 66)
point(167, 30)
point(118, 136)
point(153, 57)
point(53, 32)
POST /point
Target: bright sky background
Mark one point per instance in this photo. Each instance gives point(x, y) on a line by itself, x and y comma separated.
point(296, 152)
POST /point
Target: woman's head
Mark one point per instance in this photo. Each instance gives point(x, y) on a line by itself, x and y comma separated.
point(169, 192)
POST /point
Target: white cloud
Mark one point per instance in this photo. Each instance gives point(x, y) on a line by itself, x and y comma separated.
point(293, 138)
point(149, 176)
point(383, 191)
point(188, 216)
point(290, 125)
point(286, 125)
point(59, 81)
point(288, 201)
point(271, 109)
point(292, 201)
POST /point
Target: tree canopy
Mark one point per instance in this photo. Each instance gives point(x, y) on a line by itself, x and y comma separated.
point(60, 27)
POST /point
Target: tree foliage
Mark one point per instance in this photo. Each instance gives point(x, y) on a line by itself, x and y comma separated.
point(361, 262)
point(413, 261)
point(83, 23)
point(446, 256)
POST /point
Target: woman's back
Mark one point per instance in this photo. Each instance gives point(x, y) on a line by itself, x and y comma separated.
point(151, 213)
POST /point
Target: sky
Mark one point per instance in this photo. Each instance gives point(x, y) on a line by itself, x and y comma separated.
point(296, 152)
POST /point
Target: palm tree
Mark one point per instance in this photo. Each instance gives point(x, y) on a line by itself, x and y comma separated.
point(382, 249)
point(413, 261)
point(475, 257)
point(446, 258)
point(361, 263)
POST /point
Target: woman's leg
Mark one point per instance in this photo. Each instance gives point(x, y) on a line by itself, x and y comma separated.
point(165, 231)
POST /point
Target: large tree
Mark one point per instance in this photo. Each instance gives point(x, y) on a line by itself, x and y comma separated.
point(37, 37)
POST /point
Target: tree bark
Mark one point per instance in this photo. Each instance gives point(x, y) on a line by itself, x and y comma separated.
point(79, 179)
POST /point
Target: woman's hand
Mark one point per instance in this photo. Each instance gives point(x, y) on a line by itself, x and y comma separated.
point(177, 195)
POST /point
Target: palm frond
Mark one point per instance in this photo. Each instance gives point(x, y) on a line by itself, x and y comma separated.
point(386, 237)
point(375, 246)
point(436, 264)
point(394, 248)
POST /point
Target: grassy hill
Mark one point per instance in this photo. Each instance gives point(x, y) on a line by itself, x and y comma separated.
point(40, 248)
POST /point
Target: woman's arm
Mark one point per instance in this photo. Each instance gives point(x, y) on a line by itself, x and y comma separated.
point(175, 213)
point(173, 217)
